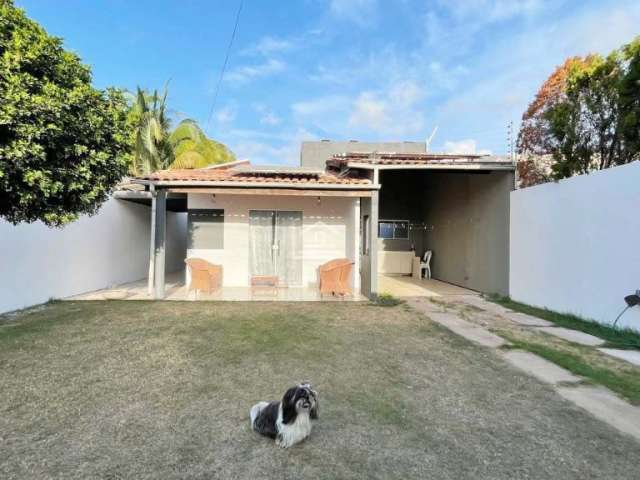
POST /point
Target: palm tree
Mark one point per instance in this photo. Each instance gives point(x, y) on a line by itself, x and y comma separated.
point(157, 149)
point(192, 148)
point(153, 149)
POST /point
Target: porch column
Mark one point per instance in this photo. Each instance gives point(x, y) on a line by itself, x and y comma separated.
point(373, 247)
point(152, 243)
point(159, 250)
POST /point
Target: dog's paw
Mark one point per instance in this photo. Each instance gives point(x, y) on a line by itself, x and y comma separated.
point(281, 443)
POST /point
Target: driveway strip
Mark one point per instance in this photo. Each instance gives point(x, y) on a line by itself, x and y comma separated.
point(598, 401)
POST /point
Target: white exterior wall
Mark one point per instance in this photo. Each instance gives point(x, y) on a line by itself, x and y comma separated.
point(329, 231)
point(112, 247)
point(575, 244)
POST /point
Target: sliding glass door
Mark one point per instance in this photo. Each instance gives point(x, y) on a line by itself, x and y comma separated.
point(275, 245)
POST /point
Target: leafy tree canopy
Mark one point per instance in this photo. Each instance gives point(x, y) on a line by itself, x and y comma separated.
point(63, 143)
point(585, 116)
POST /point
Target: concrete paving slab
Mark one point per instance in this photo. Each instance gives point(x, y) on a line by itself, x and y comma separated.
point(606, 406)
point(487, 306)
point(574, 336)
point(540, 368)
point(527, 320)
point(424, 305)
point(631, 356)
point(468, 330)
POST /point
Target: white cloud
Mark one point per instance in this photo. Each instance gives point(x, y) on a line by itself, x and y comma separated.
point(280, 149)
point(226, 115)
point(396, 111)
point(319, 106)
point(468, 145)
point(360, 12)
point(370, 111)
point(405, 93)
point(471, 70)
point(267, 46)
point(246, 73)
point(503, 78)
point(270, 118)
point(267, 116)
point(494, 10)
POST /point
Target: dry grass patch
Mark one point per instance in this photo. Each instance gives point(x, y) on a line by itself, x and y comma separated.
point(162, 390)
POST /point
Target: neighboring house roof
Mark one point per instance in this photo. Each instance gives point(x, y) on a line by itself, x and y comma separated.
point(316, 153)
point(243, 176)
point(442, 160)
point(346, 170)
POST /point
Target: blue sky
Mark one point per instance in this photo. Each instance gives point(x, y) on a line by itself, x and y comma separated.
point(339, 69)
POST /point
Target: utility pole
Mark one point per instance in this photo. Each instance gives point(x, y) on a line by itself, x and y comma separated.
point(510, 143)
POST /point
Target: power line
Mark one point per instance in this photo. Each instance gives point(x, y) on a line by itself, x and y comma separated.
point(224, 65)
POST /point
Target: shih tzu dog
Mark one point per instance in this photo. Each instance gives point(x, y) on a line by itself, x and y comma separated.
point(289, 420)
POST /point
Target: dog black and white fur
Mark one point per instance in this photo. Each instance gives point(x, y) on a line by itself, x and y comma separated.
point(289, 420)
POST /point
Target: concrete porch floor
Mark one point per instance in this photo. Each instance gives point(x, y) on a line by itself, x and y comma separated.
point(407, 286)
point(175, 289)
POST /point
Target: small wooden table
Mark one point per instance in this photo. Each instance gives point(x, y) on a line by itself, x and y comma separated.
point(265, 283)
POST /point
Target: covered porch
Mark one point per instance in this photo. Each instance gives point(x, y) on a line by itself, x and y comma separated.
point(176, 289)
point(284, 225)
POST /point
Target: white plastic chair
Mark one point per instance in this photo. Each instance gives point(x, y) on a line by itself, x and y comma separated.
point(425, 264)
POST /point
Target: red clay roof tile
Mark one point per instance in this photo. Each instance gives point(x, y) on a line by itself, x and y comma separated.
point(249, 176)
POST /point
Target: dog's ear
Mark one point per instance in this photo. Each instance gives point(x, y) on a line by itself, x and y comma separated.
point(316, 406)
point(289, 406)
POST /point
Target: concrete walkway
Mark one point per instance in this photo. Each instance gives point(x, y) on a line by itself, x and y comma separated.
point(468, 330)
point(540, 368)
point(574, 336)
point(598, 401)
point(631, 356)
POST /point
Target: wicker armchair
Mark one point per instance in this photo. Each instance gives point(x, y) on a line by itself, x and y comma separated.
point(205, 276)
point(334, 277)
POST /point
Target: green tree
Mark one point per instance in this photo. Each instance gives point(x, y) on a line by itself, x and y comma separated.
point(155, 148)
point(192, 148)
point(586, 115)
point(63, 144)
point(629, 96)
point(152, 147)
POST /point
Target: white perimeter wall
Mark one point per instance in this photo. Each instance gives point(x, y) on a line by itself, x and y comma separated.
point(329, 231)
point(38, 263)
point(575, 244)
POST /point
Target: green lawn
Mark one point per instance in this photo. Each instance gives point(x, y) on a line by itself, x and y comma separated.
point(624, 381)
point(615, 337)
point(150, 390)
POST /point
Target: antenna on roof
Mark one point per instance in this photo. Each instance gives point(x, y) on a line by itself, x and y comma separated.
point(428, 140)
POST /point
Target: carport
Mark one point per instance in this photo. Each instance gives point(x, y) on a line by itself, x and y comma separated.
point(457, 206)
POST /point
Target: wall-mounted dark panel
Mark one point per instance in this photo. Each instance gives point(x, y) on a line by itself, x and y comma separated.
point(206, 229)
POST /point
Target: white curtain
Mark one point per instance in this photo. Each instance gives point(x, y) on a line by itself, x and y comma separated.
point(289, 247)
point(261, 236)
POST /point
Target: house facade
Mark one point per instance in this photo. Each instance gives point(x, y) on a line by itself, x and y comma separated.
point(379, 210)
